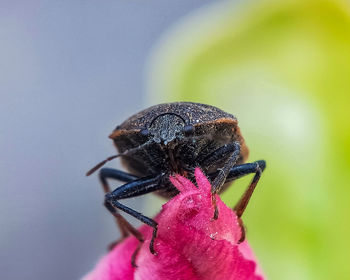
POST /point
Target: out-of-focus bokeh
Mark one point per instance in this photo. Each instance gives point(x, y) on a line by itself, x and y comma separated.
point(283, 68)
point(70, 71)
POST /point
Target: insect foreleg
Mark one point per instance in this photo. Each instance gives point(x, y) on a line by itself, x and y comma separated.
point(132, 189)
point(239, 171)
point(110, 173)
point(243, 202)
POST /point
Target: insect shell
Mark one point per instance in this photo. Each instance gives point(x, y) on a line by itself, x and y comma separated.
point(176, 138)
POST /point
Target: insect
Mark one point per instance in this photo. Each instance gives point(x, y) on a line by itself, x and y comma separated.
point(175, 138)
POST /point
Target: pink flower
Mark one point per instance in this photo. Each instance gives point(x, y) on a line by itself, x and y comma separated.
point(190, 245)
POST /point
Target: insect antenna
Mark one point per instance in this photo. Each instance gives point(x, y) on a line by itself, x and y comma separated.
point(102, 163)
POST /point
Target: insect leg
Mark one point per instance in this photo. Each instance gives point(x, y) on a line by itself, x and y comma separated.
point(110, 173)
point(241, 170)
point(132, 189)
point(237, 172)
point(243, 202)
point(216, 156)
point(223, 172)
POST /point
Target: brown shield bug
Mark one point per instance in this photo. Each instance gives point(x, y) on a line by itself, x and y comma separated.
point(175, 138)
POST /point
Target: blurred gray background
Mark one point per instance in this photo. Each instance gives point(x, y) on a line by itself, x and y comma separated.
point(70, 71)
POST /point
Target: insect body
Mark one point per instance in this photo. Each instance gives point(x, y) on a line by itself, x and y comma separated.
point(175, 138)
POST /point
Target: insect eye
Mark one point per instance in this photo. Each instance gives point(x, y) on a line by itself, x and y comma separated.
point(144, 132)
point(188, 130)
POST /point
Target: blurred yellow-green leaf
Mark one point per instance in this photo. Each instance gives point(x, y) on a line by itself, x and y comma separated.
point(283, 68)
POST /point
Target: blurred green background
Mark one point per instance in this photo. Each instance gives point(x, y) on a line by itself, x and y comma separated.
point(283, 68)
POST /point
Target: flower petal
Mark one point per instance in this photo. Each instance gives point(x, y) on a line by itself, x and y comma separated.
point(190, 245)
point(117, 264)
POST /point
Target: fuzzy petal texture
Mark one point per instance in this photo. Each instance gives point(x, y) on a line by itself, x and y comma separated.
point(190, 245)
